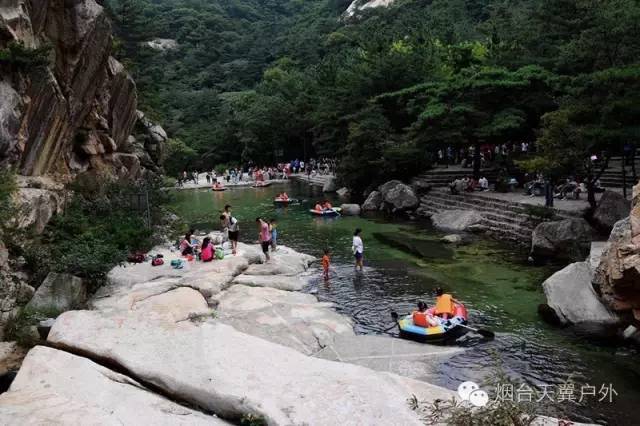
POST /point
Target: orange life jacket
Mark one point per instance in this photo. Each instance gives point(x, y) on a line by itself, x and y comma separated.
point(445, 305)
point(420, 319)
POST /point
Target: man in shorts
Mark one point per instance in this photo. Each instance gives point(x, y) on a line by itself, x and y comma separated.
point(230, 225)
point(265, 236)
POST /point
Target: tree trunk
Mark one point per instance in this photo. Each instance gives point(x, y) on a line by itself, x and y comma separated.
point(548, 193)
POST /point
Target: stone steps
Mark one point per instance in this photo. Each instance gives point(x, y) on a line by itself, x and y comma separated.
point(318, 180)
point(504, 220)
point(518, 219)
point(495, 228)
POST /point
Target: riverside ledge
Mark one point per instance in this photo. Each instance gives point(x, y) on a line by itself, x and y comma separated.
point(190, 346)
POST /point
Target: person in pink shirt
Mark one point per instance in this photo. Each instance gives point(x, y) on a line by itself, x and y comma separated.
point(265, 236)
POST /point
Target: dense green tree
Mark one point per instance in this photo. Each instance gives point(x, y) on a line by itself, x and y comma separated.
point(599, 114)
point(263, 81)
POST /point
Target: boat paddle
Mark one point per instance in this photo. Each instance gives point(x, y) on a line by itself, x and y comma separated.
point(487, 334)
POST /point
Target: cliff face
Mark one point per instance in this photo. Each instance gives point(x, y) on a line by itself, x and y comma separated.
point(618, 274)
point(77, 113)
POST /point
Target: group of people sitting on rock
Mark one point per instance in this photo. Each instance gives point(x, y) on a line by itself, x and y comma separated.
point(323, 206)
point(570, 188)
point(443, 311)
point(190, 247)
point(468, 184)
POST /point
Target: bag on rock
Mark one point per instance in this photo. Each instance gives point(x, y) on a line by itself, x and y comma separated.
point(219, 253)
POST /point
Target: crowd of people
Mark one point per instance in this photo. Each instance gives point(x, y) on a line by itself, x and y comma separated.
point(488, 153)
point(251, 172)
point(468, 184)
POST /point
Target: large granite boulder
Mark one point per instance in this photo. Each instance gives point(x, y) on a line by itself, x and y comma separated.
point(350, 209)
point(388, 186)
point(36, 207)
point(292, 319)
point(373, 201)
point(618, 274)
point(288, 283)
point(400, 197)
point(54, 386)
point(456, 220)
point(214, 366)
point(568, 239)
point(611, 208)
point(59, 293)
point(571, 296)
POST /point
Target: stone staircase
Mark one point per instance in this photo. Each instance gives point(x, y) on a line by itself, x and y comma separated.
point(612, 176)
point(504, 220)
point(318, 180)
point(443, 176)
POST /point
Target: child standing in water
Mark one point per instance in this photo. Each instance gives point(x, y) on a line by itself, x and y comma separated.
point(273, 228)
point(326, 262)
point(358, 249)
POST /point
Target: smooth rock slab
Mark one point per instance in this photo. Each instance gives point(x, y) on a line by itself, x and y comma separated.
point(570, 294)
point(275, 281)
point(292, 319)
point(55, 387)
point(285, 261)
point(231, 373)
point(59, 292)
point(456, 220)
point(384, 353)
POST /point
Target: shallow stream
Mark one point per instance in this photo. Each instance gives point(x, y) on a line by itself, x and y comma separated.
point(405, 261)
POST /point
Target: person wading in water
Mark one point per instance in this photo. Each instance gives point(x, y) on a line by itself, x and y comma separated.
point(358, 249)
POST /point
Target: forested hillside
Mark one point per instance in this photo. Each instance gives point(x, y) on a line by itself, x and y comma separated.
point(270, 80)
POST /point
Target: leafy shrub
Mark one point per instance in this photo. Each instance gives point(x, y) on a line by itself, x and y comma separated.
point(100, 225)
point(498, 411)
point(20, 327)
point(252, 420)
point(17, 55)
point(7, 187)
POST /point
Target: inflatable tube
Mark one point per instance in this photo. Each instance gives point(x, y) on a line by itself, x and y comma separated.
point(220, 188)
point(261, 184)
point(326, 213)
point(280, 202)
point(446, 330)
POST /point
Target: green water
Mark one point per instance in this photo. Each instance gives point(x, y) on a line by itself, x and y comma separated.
point(404, 262)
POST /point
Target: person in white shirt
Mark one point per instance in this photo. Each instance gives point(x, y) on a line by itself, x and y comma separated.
point(484, 183)
point(358, 249)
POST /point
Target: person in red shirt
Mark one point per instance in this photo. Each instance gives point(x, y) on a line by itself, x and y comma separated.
point(326, 262)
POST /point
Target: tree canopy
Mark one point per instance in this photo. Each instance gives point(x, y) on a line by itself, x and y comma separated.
point(265, 81)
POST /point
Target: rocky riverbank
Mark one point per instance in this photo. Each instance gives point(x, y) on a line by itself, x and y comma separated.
point(601, 295)
point(216, 342)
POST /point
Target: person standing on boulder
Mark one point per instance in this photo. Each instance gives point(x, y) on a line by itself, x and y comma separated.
point(358, 249)
point(231, 227)
point(264, 237)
